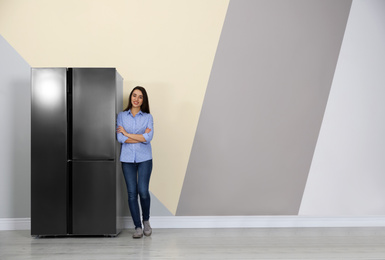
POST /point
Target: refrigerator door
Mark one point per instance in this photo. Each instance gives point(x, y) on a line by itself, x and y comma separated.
point(93, 112)
point(93, 194)
point(48, 152)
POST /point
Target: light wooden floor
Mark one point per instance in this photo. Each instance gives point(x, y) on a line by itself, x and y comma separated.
point(257, 243)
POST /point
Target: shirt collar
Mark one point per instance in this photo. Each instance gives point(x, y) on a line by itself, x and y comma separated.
point(140, 112)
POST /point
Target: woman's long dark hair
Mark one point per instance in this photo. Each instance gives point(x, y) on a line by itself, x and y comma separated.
point(145, 107)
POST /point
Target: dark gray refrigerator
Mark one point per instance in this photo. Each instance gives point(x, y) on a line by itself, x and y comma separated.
point(76, 179)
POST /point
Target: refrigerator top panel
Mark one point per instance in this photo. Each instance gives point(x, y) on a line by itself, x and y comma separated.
point(93, 113)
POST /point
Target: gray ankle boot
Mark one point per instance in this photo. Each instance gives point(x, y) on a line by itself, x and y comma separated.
point(147, 228)
point(138, 233)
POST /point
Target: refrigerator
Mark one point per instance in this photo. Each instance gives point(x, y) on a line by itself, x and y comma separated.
point(76, 180)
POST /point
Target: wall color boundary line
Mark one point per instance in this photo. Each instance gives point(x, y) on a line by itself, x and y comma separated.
point(231, 222)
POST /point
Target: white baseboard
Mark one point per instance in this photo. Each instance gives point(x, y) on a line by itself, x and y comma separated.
point(230, 222)
point(265, 222)
point(15, 223)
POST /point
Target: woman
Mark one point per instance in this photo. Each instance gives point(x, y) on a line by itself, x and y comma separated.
point(135, 131)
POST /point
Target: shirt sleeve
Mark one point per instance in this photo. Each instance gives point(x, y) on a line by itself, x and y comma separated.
point(150, 124)
point(119, 136)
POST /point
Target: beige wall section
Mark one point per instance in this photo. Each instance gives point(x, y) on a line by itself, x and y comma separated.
point(166, 46)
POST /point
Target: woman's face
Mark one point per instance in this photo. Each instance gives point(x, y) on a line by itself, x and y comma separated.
point(137, 98)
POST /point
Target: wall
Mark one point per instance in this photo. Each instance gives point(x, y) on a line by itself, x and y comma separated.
point(166, 46)
point(260, 107)
point(15, 148)
point(347, 173)
point(263, 107)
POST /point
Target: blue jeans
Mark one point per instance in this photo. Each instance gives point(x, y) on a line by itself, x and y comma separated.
point(137, 176)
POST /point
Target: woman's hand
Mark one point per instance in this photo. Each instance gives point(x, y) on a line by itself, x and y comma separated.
point(147, 130)
point(120, 129)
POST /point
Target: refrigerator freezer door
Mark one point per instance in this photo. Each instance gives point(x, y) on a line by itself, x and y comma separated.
point(48, 152)
point(93, 111)
point(93, 198)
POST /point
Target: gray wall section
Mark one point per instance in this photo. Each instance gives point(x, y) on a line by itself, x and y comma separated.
point(263, 107)
point(157, 207)
point(15, 110)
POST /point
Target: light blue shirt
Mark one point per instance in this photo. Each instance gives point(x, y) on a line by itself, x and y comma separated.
point(138, 152)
